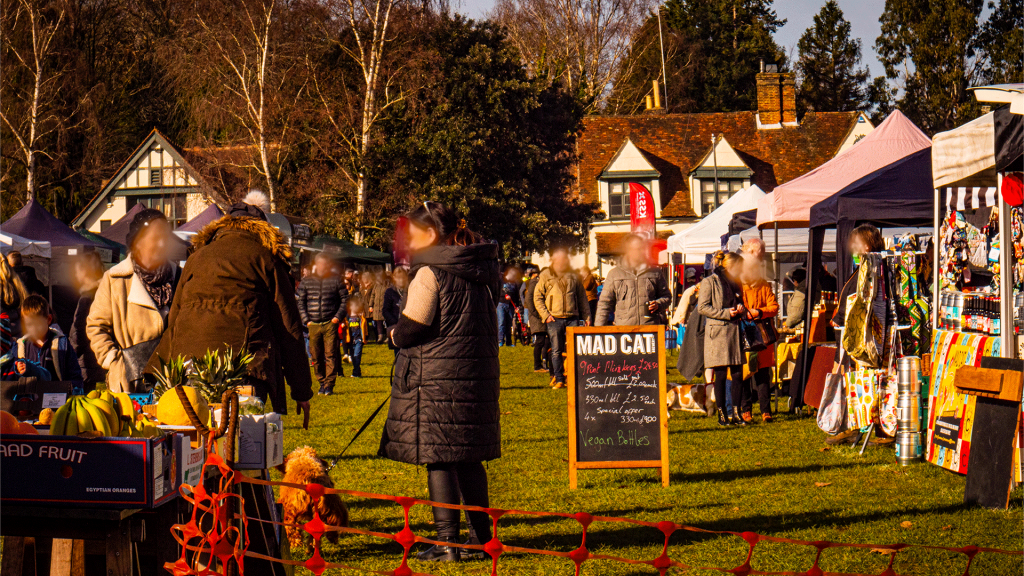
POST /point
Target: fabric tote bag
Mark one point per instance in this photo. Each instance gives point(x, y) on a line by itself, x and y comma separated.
point(862, 397)
point(832, 415)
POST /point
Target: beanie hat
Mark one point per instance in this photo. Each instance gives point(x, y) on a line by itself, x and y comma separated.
point(1013, 189)
point(141, 221)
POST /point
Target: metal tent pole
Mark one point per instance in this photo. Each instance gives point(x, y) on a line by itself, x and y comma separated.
point(936, 272)
point(1007, 328)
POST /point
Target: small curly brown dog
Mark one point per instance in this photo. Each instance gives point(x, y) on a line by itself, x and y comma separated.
point(303, 466)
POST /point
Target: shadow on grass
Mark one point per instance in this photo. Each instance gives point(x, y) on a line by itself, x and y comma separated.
point(760, 472)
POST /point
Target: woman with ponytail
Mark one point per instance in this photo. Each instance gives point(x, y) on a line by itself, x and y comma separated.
point(444, 410)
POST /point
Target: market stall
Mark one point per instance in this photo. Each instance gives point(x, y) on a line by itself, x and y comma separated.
point(979, 221)
point(35, 223)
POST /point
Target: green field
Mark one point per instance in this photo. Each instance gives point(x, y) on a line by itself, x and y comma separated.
point(762, 478)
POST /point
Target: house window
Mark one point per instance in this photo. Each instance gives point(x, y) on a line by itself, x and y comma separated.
point(155, 177)
point(104, 224)
point(711, 199)
point(174, 206)
point(618, 198)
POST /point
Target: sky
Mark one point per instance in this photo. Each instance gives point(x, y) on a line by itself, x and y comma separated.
point(862, 14)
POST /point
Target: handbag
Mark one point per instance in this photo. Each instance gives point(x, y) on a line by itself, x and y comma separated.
point(751, 339)
point(832, 415)
point(756, 335)
point(136, 358)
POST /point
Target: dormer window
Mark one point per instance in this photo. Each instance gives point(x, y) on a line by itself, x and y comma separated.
point(628, 165)
point(618, 200)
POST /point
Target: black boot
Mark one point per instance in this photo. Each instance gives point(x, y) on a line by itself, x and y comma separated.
point(438, 553)
point(467, 554)
point(722, 419)
point(737, 420)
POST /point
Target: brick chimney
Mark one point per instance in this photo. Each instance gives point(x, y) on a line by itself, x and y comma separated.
point(776, 98)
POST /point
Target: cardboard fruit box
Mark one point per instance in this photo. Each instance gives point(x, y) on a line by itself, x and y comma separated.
point(102, 472)
point(260, 442)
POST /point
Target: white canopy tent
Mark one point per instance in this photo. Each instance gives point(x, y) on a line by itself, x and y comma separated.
point(12, 242)
point(965, 157)
point(705, 237)
point(791, 240)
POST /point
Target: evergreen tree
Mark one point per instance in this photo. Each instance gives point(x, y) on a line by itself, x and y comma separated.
point(932, 50)
point(721, 45)
point(831, 79)
point(1003, 41)
point(485, 137)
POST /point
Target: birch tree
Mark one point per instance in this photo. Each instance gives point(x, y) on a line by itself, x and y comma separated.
point(240, 54)
point(363, 32)
point(580, 43)
point(30, 80)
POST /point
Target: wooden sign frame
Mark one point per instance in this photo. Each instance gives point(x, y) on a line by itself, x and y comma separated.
point(570, 373)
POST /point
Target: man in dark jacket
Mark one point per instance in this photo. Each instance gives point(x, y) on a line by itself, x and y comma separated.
point(541, 344)
point(236, 290)
point(322, 299)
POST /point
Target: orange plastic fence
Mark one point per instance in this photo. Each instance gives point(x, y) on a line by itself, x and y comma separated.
point(210, 535)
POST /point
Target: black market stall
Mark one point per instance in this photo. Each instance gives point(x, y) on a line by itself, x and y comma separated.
point(896, 198)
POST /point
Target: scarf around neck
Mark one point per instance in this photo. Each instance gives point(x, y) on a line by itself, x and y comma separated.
point(159, 283)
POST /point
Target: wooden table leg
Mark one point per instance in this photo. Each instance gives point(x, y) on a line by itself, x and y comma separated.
point(14, 556)
point(119, 549)
point(68, 558)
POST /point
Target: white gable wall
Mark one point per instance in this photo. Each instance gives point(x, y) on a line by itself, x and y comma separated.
point(629, 159)
point(113, 209)
point(725, 157)
point(862, 128)
point(171, 172)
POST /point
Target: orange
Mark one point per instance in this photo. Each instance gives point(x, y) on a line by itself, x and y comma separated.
point(8, 423)
point(26, 428)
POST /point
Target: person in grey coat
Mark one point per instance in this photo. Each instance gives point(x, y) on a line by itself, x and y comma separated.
point(636, 293)
point(721, 302)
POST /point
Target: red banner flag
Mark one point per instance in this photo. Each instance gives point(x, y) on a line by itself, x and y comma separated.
point(641, 210)
point(400, 246)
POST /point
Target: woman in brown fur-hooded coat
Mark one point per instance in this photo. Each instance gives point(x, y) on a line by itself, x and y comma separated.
point(236, 290)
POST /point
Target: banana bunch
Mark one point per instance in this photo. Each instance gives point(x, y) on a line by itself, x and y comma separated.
point(100, 413)
point(82, 415)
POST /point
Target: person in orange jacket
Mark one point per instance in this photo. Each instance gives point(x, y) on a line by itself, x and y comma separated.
point(760, 302)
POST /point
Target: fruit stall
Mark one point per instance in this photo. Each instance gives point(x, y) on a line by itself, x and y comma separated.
point(101, 475)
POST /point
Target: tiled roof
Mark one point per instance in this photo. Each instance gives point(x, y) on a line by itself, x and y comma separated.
point(675, 144)
point(611, 242)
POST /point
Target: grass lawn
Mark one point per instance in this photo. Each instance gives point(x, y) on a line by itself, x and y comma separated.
point(760, 478)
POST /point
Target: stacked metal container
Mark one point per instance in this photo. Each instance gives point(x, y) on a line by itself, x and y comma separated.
point(908, 411)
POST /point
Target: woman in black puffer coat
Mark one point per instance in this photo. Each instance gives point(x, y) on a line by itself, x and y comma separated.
point(444, 409)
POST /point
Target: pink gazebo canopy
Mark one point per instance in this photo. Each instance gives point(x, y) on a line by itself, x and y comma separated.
point(789, 204)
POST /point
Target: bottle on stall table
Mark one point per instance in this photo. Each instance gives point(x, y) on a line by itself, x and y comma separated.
point(997, 319)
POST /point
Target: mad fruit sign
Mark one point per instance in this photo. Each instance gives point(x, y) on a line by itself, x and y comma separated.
point(617, 413)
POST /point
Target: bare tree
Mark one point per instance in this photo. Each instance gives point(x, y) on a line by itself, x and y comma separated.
point(364, 34)
point(28, 107)
point(242, 59)
point(581, 43)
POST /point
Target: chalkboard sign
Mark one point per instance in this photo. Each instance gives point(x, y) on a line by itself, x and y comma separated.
point(617, 410)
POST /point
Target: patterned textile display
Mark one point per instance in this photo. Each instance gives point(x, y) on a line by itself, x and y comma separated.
point(1017, 228)
point(912, 307)
point(950, 413)
point(862, 395)
point(862, 338)
point(888, 392)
